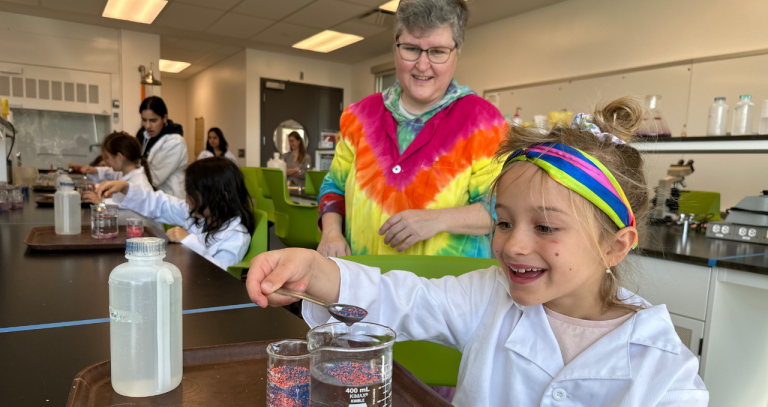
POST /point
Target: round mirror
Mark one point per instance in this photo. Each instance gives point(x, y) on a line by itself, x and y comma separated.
point(283, 130)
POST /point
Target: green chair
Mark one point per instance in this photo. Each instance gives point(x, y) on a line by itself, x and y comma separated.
point(435, 365)
point(258, 244)
point(253, 182)
point(313, 182)
point(295, 225)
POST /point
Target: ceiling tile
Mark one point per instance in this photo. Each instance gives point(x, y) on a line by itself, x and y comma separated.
point(166, 41)
point(358, 28)
point(26, 2)
point(195, 45)
point(177, 54)
point(240, 26)
point(324, 14)
point(271, 9)
point(368, 3)
point(211, 59)
point(228, 50)
point(217, 4)
point(285, 34)
point(187, 17)
point(93, 7)
point(191, 71)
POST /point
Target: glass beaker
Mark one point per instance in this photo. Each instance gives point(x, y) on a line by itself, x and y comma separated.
point(351, 365)
point(85, 186)
point(654, 124)
point(134, 227)
point(288, 374)
point(103, 221)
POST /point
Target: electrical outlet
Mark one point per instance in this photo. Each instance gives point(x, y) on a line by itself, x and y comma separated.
point(241, 153)
point(115, 117)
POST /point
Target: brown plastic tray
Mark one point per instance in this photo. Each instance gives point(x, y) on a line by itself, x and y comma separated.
point(224, 376)
point(45, 238)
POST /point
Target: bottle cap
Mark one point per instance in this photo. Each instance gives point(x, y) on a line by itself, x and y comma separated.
point(717, 99)
point(745, 97)
point(65, 181)
point(145, 246)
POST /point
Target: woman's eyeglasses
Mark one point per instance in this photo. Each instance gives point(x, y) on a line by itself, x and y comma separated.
point(436, 55)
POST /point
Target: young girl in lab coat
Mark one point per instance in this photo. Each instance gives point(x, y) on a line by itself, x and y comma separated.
point(551, 325)
point(217, 217)
point(122, 152)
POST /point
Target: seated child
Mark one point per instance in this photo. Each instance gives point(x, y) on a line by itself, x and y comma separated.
point(217, 214)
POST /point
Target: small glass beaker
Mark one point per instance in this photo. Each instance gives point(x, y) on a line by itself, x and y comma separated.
point(134, 227)
point(654, 124)
point(103, 221)
point(288, 374)
point(85, 186)
point(17, 198)
point(351, 365)
point(4, 201)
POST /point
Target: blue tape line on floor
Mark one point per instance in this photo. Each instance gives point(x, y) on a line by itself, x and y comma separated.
point(103, 320)
point(713, 262)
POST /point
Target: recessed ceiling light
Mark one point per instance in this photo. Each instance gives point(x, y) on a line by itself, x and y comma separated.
point(390, 6)
point(327, 41)
point(173, 66)
point(138, 11)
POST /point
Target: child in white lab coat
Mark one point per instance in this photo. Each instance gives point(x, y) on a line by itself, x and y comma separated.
point(217, 217)
point(551, 325)
point(122, 152)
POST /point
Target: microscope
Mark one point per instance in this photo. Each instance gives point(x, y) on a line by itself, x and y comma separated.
point(666, 202)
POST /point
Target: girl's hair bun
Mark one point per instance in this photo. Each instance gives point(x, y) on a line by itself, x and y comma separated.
point(621, 117)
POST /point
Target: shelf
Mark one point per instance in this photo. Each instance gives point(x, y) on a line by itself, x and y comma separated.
point(704, 145)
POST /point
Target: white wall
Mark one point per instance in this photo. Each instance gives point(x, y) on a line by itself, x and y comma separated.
point(218, 94)
point(363, 82)
point(175, 97)
point(137, 49)
point(80, 47)
point(260, 64)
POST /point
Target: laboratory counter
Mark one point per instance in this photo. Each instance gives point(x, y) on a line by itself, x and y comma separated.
point(667, 243)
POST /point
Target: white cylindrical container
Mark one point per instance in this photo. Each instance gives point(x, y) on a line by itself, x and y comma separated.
point(764, 119)
point(66, 204)
point(277, 162)
point(742, 116)
point(718, 114)
point(145, 328)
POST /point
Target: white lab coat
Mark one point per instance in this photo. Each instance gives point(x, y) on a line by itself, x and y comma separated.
point(208, 154)
point(167, 162)
point(510, 356)
point(137, 177)
point(226, 248)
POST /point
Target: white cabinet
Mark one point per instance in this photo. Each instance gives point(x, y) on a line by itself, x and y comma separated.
point(683, 287)
point(690, 331)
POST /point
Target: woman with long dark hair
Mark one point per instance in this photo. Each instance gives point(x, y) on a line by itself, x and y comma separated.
point(162, 144)
point(217, 217)
point(297, 161)
point(217, 146)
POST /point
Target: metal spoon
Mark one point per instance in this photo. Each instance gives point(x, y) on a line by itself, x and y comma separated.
point(348, 314)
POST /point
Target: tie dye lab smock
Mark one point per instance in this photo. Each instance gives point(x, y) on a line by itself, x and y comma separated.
point(449, 163)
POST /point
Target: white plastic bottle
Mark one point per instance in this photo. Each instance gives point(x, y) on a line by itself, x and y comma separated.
point(145, 332)
point(742, 116)
point(718, 114)
point(66, 204)
point(763, 129)
point(277, 162)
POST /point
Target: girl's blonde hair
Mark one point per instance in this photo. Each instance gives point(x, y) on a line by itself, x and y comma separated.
point(621, 118)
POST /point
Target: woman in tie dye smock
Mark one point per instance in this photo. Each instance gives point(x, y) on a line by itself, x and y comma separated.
point(414, 163)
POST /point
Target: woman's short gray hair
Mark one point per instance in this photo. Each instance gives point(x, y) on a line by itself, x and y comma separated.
point(419, 16)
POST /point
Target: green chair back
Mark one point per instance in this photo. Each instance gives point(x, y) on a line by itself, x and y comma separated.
point(258, 244)
point(254, 184)
point(700, 203)
point(313, 182)
point(295, 224)
point(435, 365)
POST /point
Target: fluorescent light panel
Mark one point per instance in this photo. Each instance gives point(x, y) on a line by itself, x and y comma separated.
point(327, 41)
point(138, 11)
point(390, 6)
point(173, 66)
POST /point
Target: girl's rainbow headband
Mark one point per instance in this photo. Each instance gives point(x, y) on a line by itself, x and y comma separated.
point(583, 174)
